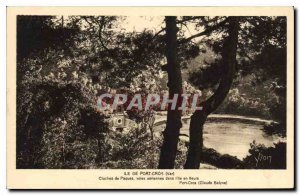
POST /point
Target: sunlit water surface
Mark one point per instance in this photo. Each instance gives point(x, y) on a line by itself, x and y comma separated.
point(231, 137)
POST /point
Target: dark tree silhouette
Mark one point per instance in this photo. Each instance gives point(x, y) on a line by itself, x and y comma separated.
point(171, 133)
point(199, 117)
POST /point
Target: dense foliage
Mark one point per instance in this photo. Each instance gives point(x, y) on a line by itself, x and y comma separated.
point(262, 157)
point(63, 64)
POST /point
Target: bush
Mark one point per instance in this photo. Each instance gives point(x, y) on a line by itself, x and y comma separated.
point(132, 150)
point(137, 150)
point(262, 157)
point(225, 161)
point(62, 129)
point(275, 129)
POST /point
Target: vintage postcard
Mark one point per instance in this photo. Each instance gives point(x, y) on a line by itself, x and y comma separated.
point(150, 98)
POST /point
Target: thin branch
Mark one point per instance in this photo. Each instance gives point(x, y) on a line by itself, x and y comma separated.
point(189, 19)
point(156, 34)
point(178, 22)
point(205, 32)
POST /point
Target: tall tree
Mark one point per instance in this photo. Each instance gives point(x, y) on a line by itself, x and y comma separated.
point(199, 117)
point(171, 133)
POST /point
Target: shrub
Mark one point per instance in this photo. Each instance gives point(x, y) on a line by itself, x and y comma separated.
point(262, 157)
point(133, 150)
point(62, 129)
point(275, 129)
point(225, 161)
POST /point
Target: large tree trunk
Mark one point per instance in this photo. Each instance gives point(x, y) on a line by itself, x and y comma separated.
point(199, 117)
point(171, 133)
point(196, 140)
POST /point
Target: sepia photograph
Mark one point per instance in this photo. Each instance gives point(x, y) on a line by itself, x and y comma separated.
point(154, 92)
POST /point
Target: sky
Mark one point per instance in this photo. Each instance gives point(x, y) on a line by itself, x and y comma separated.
point(140, 23)
point(155, 23)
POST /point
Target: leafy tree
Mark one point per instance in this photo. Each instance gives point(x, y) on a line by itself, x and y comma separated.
point(208, 106)
point(55, 107)
point(253, 45)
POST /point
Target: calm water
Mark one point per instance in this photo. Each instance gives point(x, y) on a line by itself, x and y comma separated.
point(234, 138)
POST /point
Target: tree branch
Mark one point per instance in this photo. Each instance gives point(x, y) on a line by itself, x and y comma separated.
point(229, 60)
point(178, 22)
point(189, 19)
point(205, 32)
point(199, 117)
